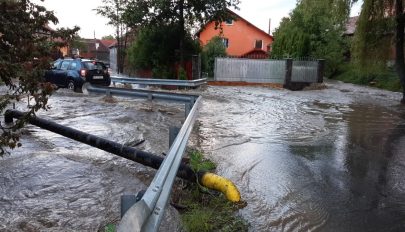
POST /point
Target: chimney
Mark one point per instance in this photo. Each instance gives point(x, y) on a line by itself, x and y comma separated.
point(269, 26)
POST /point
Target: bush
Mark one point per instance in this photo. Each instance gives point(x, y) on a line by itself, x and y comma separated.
point(182, 75)
point(214, 48)
point(157, 48)
point(378, 76)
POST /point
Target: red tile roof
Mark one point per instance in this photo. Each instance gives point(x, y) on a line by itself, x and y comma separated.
point(108, 42)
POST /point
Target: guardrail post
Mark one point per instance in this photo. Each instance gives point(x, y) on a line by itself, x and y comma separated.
point(321, 70)
point(188, 107)
point(127, 201)
point(288, 73)
point(173, 132)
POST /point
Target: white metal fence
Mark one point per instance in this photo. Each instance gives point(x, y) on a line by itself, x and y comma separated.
point(250, 70)
point(267, 71)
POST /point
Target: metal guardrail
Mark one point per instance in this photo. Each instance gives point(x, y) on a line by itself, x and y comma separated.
point(149, 81)
point(147, 214)
point(187, 99)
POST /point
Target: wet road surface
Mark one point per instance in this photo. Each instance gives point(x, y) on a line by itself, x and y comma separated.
point(320, 160)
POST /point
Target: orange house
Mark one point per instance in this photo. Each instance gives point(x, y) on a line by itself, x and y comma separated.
point(240, 37)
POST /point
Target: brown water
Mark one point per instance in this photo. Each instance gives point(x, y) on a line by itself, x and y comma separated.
point(53, 183)
point(324, 160)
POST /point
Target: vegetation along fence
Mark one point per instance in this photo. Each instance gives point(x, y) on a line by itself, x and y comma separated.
point(292, 74)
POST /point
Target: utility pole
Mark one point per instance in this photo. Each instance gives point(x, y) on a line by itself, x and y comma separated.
point(96, 44)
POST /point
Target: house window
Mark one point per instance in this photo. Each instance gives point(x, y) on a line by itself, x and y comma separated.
point(229, 21)
point(226, 42)
point(259, 44)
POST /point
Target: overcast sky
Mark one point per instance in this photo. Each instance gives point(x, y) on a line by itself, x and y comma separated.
point(80, 13)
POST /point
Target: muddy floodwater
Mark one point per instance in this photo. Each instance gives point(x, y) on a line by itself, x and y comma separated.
point(314, 160)
point(53, 183)
point(324, 160)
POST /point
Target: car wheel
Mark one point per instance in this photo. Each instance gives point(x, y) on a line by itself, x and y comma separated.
point(71, 85)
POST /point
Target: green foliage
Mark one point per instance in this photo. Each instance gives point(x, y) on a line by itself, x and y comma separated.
point(114, 10)
point(183, 13)
point(376, 76)
point(374, 34)
point(156, 48)
point(182, 75)
point(179, 15)
point(199, 163)
point(206, 212)
point(110, 228)
point(108, 37)
point(26, 49)
point(214, 48)
point(379, 28)
point(314, 29)
point(78, 43)
point(291, 41)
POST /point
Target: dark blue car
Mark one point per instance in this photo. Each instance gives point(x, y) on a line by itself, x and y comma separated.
point(73, 73)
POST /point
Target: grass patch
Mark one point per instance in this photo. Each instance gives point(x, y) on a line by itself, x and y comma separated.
point(383, 78)
point(204, 210)
point(198, 162)
point(110, 228)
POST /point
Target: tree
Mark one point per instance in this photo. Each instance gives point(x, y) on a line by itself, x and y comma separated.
point(314, 29)
point(114, 10)
point(26, 47)
point(77, 43)
point(107, 37)
point(214, 48)
point(181, 14)
point(381, 23)
point(155, 48)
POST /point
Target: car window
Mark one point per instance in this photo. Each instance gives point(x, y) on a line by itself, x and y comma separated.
point(65, 65)
point(95, 66)
point(56, 64)
point(73, 66)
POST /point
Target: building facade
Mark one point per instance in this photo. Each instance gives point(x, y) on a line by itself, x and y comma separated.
point(240, 37)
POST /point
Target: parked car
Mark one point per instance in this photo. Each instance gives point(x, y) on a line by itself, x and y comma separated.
point(73, 73)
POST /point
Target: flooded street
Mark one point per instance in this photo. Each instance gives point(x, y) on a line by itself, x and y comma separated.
point(53, 183)
point(323, 160)
point(315, 160)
